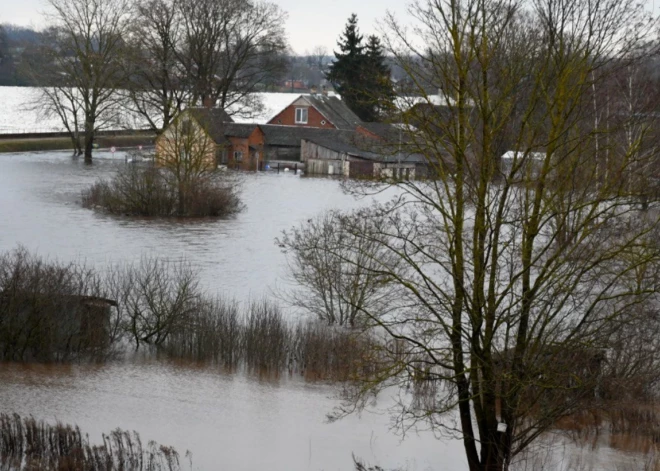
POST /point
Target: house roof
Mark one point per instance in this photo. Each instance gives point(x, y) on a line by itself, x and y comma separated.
point(357, 145)
point(290, 136)
point(344, 142)
point(332, 108)
point(241, 130)
point(212, 120)
point(336, 110)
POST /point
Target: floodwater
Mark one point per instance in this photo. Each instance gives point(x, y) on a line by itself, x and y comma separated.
point(228, 421)
point(40, 209)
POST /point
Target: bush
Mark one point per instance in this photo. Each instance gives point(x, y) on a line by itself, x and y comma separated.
point(53, 312)
point(261, 339)
point(65, 312)
point(138, 190)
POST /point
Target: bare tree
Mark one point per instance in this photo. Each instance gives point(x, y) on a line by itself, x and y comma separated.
point(156, 298)
point(87, 37)
point(157, 85)
point(189, 154)
point(319, 56)
point(513, 281)
point(336, 273)
point(230, 47)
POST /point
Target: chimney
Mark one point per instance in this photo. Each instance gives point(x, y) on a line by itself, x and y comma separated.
point(313, 90)
point(208, 102)
point(324, 91)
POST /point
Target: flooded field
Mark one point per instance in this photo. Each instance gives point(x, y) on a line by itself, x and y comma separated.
point(228, 421)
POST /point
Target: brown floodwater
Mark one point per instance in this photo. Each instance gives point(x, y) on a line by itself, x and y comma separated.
point(228, 421)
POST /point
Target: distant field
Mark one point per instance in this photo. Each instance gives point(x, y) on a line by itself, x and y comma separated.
point(18, 113)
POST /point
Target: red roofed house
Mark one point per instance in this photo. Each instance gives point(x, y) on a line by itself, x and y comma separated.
point(318, 111)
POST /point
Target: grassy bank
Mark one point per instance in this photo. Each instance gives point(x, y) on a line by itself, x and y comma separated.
point(32, 144)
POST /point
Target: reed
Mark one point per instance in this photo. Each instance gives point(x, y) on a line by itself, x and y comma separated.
point(259, 338)
point(28, 444)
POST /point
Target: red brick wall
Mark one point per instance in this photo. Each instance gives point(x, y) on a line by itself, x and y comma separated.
point(256, 139)
point(287, 117)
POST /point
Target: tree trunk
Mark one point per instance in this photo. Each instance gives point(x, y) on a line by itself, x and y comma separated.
point(89, 145)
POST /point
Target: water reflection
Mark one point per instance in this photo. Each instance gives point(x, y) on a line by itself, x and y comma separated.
point(231, 422)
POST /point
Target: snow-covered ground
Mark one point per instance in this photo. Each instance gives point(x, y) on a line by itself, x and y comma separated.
point(19, 111)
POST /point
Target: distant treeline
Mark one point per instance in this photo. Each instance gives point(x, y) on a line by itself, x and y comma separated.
point(20, 45)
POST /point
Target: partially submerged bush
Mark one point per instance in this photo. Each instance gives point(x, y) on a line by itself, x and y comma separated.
point(65, 312)
point(338, 275)
point(28, 444)
point(138, 190)
point(259, 338)
point(51, 311)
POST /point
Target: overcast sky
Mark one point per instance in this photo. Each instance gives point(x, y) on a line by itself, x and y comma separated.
point(310, 23)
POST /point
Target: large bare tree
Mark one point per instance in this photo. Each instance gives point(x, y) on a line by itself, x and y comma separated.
point(231, 46)
point(516, 277)
point(87, 37)
point(157, 86)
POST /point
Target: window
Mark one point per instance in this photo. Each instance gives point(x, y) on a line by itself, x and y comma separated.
point(238, 155)
point(186, 127)
point(323, 122)
point(301, 115)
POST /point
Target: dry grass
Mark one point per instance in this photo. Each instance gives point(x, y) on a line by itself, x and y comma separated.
point(259, 338)
point(27, 444)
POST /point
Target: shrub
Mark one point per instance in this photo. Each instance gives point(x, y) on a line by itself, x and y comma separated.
point(53, 312)
point(138, 190)
point(65, 312)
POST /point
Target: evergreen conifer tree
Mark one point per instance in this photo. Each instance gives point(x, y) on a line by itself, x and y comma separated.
point(345, 72)
point(379, 88)
point(360, 74)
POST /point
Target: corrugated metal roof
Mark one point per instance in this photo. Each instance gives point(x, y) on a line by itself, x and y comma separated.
point(290, 136)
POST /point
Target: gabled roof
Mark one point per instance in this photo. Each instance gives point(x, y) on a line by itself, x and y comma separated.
point(212, 120)
point(336, 110)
